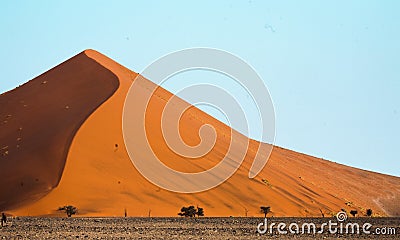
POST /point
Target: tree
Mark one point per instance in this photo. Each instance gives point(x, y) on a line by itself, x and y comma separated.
point(69, 210)
point(200, 212)
point(353, 212)
point(265, 210)
point(369, 212)
point(183, 211)
point(191, 211)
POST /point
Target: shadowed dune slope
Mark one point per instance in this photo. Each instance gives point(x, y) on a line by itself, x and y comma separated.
point(100, 179)
point(39, 121)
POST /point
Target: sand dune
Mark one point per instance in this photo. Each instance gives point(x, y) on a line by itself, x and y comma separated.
point(39, 121)
point(78, 155)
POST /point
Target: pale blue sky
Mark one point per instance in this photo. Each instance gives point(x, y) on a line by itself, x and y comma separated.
point(332, 67)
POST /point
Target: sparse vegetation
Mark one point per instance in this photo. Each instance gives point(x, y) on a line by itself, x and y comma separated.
point(191, 211)
point(69, 210)
point(369, 212)
point(200, 212)
point(187, 211)
point(265, 210)
point(353, 213)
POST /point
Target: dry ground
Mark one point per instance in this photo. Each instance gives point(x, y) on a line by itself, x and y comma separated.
point(173, 228)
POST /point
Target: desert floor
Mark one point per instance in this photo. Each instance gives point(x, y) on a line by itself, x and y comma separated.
point(174, 228)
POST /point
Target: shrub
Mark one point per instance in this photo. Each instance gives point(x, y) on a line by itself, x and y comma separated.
point(353, 212)
point(369, 212)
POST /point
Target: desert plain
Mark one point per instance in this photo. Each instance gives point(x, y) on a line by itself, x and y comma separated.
point(178, 228)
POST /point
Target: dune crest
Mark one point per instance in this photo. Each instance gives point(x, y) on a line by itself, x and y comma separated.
point(99, 178)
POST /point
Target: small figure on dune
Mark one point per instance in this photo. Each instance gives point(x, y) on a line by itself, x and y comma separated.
point(3, 219)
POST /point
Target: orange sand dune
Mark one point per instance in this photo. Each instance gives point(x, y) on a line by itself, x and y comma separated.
point(39, 121)
point(99, 178)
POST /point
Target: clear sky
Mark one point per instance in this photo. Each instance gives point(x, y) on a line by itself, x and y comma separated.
point(332, 67)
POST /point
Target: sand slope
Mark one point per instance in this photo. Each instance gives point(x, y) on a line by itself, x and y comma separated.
point(100, 179)
point(39, 121)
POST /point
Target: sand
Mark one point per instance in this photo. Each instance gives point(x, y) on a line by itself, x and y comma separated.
point(99, 178)
point(39, 121)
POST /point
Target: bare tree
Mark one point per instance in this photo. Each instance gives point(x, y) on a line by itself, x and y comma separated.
point(322, 214)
